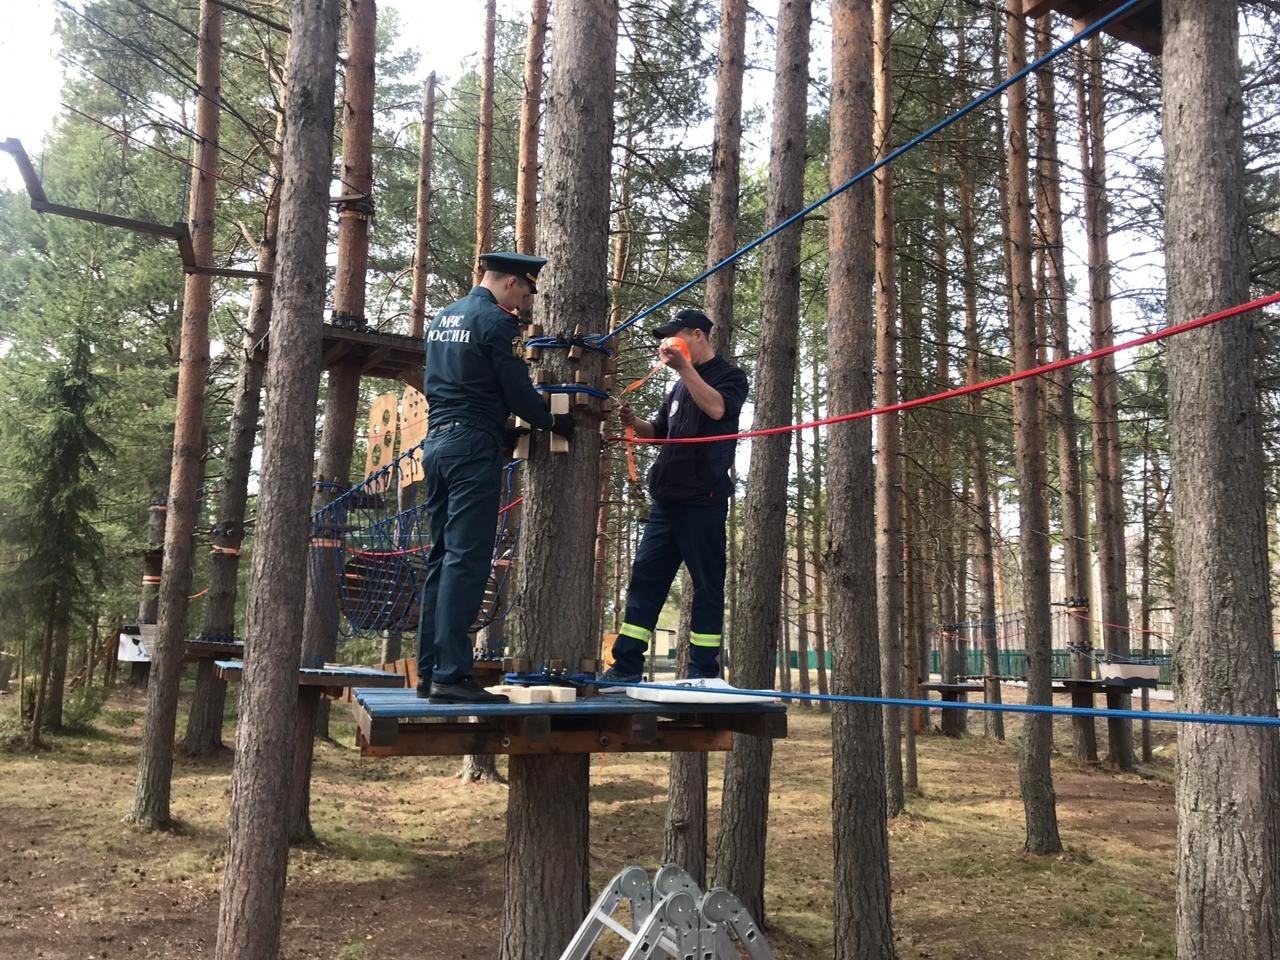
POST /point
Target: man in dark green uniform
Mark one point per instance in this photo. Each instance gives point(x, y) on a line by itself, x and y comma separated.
point(473, 382)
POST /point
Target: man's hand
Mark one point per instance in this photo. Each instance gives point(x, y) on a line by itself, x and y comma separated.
point(627, 415)
point(511, 436)
point(674, 357)
point(563, 425)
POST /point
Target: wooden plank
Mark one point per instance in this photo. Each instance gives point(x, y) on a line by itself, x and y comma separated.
point(453, 740)
point(771, 725)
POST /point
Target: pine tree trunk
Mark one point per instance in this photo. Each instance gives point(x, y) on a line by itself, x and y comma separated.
point(252, 902)
point(1109, 479)
point(862, 919)
point(1075, 521)
point(152, 564)
point(817, 553)
point(547, 815)
point(740, 845)
point(983, 543)
point(58, 670)
point(801, 544)
point(1228, 777)
point(888, 466)
point(1034, 776)
point(208, 699)
point(151, 798)
point(726, 151)
point(484, 142)
point(684, 834)
point(422, 216)
point(530, 111)
point(35, 731)
point(337, 436)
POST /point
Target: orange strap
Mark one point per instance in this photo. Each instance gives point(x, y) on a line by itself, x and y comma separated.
point(630, 431)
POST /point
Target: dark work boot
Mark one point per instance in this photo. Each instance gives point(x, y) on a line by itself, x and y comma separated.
point(464, 690)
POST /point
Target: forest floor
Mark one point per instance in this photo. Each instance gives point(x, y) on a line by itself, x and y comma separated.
point(409, 862)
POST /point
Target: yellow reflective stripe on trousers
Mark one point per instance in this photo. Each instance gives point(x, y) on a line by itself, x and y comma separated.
point(635, 633)
point(705, 639)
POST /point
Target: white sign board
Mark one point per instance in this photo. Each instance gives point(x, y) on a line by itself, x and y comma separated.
point(135, 643)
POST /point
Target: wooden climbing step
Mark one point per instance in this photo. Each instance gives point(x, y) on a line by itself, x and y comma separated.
point(396, 723)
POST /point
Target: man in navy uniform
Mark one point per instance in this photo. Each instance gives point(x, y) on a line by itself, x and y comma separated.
point(690, 487)
point(472, 382)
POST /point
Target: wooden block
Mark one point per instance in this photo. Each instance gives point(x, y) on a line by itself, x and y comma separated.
point(521, 452)
point(559, 405)
point(563, 694)
point(519, 694)
point(532, 353)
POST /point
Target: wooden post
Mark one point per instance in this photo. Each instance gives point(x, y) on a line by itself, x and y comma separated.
point(151, 799)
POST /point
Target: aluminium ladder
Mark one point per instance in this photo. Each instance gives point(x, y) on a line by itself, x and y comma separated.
point(670, 917)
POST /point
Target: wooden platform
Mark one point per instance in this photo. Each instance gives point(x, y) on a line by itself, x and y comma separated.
point(394, 723)
point(392, 356)
point(332, 681)
point(1142, 26)
point(200, 649)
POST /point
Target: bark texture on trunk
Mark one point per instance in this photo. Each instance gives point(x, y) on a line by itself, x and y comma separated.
point(252, 901)
point(547, 820)
point(1038, 800)
point(863, 923)
point(1228, 784)
point(155, 767)
point(740, 844)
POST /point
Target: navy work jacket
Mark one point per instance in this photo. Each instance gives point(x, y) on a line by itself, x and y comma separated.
point(471, 374)
point(697, 472)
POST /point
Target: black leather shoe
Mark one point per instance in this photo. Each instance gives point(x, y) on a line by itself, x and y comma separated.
point(464, 691)
point(423, 689)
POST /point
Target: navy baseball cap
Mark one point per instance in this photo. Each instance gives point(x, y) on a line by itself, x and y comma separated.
point(521, 265)
point(684, 320)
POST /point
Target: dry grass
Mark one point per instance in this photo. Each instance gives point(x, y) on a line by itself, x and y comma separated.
point(410, 862)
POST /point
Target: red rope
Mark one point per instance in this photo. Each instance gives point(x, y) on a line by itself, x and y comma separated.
point(1115, 626)
point(987, 385)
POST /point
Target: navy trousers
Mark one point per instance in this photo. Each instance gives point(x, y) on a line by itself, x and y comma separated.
point(677, 532)
point(463, 484)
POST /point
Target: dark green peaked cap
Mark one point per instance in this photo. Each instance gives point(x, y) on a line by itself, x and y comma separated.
point(516, 264)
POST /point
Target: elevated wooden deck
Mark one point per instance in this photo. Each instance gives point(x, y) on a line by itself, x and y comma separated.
point(1142, 26)
point(392, 356)
point(332, 681)
point(200, 648)
point(393, 723)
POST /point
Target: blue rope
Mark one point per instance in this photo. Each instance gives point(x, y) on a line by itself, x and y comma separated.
point(573, 388)
point(1225, 719)
point(915, 141)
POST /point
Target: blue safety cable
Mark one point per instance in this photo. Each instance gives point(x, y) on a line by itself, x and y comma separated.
point(1227, 719)
point(915, 141)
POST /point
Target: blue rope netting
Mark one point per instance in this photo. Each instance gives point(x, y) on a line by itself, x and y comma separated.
point(368, 555)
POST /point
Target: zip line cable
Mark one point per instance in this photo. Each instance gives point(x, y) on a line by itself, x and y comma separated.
point(889, 158)
point(1173, 716)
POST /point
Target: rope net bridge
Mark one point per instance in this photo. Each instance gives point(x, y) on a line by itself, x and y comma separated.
point(370, 546)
